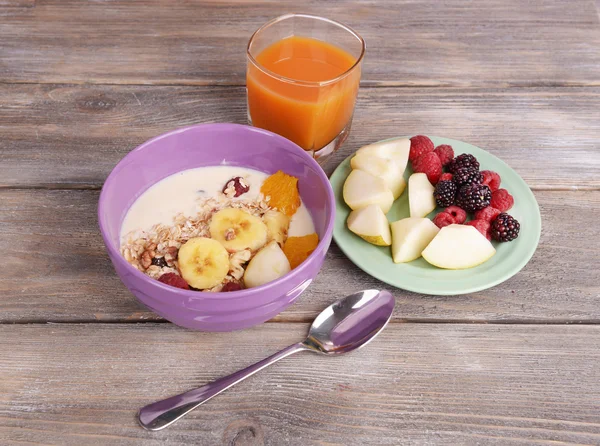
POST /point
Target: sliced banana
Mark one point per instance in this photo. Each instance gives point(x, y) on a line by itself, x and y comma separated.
point(203, 262)
point(277, 226)
point(237, 230)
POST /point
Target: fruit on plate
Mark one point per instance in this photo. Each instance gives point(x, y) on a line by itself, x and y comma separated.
point(203, 262)
point(458, 247)
point(268, 264)
point(387, 169)
point(420, 195)
point(371, 224)
point(410, 236)
point(237, 230)
point(277, 226)
point(362, 189)
point(396, 150)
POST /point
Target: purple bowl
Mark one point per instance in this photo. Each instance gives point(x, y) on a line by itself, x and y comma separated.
point(209, 145)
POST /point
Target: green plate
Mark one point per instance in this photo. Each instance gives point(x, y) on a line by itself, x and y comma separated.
point(418, 275)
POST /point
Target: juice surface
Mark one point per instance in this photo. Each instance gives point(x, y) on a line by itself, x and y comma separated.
point(311, 116)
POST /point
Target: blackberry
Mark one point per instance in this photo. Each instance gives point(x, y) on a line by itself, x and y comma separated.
point(505, 228)
point(461, 161)
point(473, 197)
point(159, 261)
point(467, 175)
point(444, 194)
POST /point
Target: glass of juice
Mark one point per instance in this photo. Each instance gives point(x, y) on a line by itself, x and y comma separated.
point(302, 80)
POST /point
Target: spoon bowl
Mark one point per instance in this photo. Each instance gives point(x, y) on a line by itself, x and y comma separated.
point(346, 325)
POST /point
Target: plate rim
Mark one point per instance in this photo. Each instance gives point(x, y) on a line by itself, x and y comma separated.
point(536, 225)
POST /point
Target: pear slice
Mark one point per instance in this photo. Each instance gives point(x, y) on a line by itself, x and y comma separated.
point(410, 236)
point(386, 169)
point(268, 264)
point(420, 195)
point(458, 247)
point(371, 224)
point(395, 149)
point(362, 189)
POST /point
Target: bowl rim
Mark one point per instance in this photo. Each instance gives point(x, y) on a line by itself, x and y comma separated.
point(324, 241)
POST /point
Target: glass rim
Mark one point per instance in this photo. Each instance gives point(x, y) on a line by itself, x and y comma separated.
point(300, 82)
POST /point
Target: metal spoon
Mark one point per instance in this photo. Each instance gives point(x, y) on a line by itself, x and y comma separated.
point(342, 327)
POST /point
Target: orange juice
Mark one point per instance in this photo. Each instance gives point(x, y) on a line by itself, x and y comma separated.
point(291, 94)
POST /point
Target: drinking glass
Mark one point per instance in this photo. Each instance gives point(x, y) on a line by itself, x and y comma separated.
point(302, 78)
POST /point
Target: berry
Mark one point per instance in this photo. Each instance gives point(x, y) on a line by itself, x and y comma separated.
point(482, 226)
point(159, 261)
point(429, 164)
point(231, 286)
point(502, 200)
point(505, 228)
point(444, 193)
point(446, 177)
point(473, 197)
point(443, 219)
point(464, 160)
point(445, 153)
point(491, 179)
point(419, 145)
point(174, 280)
point(487, 214)
point(459, 215)
point(466, 175)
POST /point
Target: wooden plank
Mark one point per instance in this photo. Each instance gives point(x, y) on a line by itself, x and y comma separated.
point(54, 268)
point(73, 136)
point(418, 383)
point(496, 42)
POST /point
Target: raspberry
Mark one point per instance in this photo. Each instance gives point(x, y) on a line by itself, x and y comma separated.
point(458, 214)
point(444, 193)
point(445, 153)
point(491, 180)
point(482, 226)
point(502, 200)
point(466, 175)
point(231, 286)
point(487, 214)
point(464, 160)
point(443, 219)
point(174, 280)
point(446, 177)
point(419, 145)
point(505, 228)
point(430, 164)
point(473, 197)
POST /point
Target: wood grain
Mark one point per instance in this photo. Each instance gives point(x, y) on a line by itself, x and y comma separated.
point(416, 383)
point(55, 268)
point(432, 43)
point(72, 136)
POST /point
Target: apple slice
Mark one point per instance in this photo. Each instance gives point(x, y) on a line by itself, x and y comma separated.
point(458, 247)
point(362, 189)
point(395, 149)
point(410, 236)
point(371, 224)
point(386, 169)
point(420, 195)
point(268, 264)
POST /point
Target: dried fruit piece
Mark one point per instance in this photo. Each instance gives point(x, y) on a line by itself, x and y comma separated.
point(159, 261)
point(174, 280)
point(236, 187)
point(281, 190)
point(297, 249)
point(231, 286)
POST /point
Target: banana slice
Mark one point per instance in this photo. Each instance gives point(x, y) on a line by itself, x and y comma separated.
point(237, 230)
point(203, 262)
point(277, 226)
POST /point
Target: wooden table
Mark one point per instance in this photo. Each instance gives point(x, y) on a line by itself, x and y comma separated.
point(82, 83)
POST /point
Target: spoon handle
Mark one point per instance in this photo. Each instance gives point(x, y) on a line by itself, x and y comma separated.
point(157, 416)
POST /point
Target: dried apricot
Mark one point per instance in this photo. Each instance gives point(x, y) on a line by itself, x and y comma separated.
point(297, 249)
point(282, 192)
